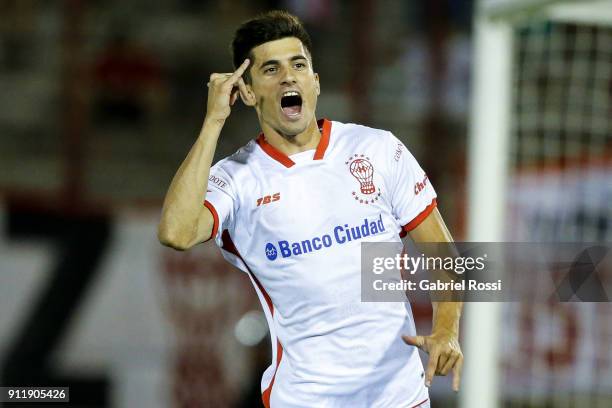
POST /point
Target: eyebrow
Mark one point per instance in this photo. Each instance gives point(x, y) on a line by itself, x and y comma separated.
point(276, 62)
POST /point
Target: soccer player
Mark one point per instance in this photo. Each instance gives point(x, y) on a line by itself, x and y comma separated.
point(291, 209)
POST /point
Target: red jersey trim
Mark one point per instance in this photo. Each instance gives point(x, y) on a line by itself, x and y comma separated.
point(228, 245)
point(277, 155)
point(282, 158)
point(420, 403)
point(325, 126)
point(212, 210)
point(419, 218)
point(265, 396)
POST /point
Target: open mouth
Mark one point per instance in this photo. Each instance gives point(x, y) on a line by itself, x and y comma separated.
point(291, 104)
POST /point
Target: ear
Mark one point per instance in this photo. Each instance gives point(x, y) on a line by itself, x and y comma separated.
point(248, 98)
point(317, 85)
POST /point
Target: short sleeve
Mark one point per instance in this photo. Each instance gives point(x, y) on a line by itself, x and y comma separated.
point(220, 200)
point(413, 197)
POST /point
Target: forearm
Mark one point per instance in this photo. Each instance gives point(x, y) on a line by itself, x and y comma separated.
point(446, 316)
point(185, 221)
point(180, 223)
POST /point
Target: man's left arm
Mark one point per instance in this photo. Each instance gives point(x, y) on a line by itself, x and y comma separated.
point(443, 343)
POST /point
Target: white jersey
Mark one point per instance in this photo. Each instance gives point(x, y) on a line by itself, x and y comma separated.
point(295, 226)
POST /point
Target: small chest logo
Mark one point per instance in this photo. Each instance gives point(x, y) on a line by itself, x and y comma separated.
point(268, 199)
point(360, 167)
point(271, 252)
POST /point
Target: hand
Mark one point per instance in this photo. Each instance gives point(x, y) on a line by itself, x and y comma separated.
point(444, 354)
point(223, 90)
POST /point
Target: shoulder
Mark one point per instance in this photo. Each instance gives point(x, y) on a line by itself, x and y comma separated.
point(233, 170)
point(238, 162)
point(362, 139)
point(356, 131)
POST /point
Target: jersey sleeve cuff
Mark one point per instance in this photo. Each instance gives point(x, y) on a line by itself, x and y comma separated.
point(419, 218)
point(212, 210)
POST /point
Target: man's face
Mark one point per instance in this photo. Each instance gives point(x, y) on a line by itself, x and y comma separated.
point(284, 85)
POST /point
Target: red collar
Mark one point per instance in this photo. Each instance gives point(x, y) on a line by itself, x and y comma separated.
point(282, 158)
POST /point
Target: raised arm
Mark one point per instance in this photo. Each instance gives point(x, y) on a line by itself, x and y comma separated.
point(185, 221)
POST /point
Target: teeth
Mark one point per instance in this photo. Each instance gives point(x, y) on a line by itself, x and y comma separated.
point(291, 93)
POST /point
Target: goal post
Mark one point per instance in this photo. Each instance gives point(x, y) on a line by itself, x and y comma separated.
point(487, 172)
point(540, 115)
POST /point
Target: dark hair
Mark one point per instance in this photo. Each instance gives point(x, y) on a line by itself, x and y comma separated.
point(269, 26)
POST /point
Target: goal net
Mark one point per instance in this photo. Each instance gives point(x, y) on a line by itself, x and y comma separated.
point(556, 147)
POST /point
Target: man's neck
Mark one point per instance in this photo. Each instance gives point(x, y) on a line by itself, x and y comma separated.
point(307, 140)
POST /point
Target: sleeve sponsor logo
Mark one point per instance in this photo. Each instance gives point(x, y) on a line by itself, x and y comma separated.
point(217, 181)
point(341, 234)
point(420, 185)
point(398, 152)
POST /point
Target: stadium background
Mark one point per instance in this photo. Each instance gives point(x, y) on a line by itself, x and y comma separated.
point(99, 103)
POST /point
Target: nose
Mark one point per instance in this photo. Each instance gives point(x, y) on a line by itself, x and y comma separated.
point(288, 77)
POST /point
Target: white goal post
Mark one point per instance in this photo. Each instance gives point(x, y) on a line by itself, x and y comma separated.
point(492, 138)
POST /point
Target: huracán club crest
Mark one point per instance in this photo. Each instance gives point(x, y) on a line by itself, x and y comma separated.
point(360, 167)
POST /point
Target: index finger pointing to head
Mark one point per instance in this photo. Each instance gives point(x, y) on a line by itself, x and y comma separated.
point(238, 73)
point(242, 87)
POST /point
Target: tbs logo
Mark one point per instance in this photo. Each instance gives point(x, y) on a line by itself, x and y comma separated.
point(271, 251)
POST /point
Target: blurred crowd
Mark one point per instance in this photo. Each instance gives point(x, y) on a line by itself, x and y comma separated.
point(121, 84)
